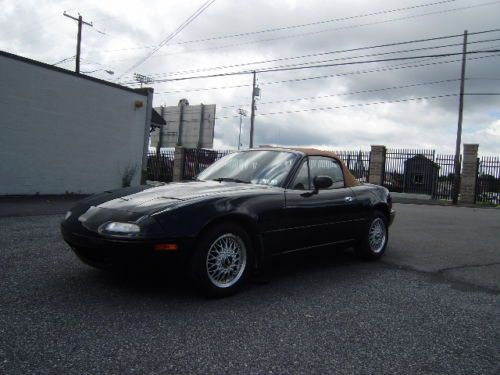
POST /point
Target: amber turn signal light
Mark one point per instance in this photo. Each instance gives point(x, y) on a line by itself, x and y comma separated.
point(166, 247)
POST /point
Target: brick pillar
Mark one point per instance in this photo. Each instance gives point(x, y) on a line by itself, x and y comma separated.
point(178, 163)
point(469, 174)
point(377, 165)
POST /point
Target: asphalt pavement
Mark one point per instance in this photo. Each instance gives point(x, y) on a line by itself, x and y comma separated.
point(431, 306)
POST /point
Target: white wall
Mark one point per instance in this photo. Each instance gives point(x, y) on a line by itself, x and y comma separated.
point(60, 133)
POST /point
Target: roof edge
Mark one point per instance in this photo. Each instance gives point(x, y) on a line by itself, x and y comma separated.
point(141, 91)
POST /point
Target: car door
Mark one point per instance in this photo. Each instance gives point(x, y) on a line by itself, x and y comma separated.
point(319, 218)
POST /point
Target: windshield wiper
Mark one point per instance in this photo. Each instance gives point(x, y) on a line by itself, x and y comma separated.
point(228, 179)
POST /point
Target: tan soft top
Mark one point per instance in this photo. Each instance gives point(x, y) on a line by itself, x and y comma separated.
point(350, 180)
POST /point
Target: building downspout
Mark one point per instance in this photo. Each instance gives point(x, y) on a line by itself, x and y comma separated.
point(147, 125)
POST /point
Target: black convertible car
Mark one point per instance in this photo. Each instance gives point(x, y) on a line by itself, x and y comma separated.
point(243, 209)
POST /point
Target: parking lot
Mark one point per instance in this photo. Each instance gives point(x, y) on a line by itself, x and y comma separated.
point(431, 306)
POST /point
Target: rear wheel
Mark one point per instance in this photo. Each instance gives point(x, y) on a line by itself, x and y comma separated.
point(222, 260)
point(372, 244)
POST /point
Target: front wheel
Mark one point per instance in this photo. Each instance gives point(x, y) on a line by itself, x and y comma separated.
point(373, 242)
point(222, 260)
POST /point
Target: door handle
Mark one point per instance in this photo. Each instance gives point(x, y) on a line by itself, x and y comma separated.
point(348, 199)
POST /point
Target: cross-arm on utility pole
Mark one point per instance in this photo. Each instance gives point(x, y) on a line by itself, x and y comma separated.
point(79, 38)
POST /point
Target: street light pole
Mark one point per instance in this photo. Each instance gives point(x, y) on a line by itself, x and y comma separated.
point(252, 115)
point(242, 113)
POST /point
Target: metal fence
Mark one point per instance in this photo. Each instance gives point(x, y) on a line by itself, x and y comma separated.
point(161, 167)
point(488, 180)
point(406, 170)
point(420, 172)
point(444, 183)
point(410, 171)
point(197, 159)
point(358, 162)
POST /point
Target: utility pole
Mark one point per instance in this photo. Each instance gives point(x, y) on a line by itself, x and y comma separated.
point(79, 38)
point(242, 113)
point(456, 179)
point(252, 114)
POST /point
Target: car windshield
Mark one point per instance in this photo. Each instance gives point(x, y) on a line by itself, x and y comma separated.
point(257, 167)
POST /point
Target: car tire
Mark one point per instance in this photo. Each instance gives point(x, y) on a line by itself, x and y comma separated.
point(222, 260)
point(373, 242)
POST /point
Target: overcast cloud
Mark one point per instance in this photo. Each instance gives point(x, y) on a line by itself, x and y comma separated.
point(124, 32)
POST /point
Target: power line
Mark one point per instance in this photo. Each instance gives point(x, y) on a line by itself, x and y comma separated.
point(63, 60)
point(293, 26)
point(270, 70)
point(307, 64)
point(318, 22)
point(327, 76)
point(347, 93)
point(333, 29)
point(347, 106)
point(321, 54)
point(372, 61)
point(388, 68)
point(190, 19)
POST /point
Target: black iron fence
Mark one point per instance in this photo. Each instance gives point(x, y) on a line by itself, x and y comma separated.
point(419, 172)
point(444, 183)
point(410, 171)
point(488, 180)
point(358, 162)
point(406, 170)
point(197, 159)
point(161, 166)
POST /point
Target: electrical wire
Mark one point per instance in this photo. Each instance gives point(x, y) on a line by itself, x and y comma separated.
point(294, 26)
point(327, 76)
point(347, 93)
point(190, 19)
point(332, 29)
point(64, 60)
point(323, 53)
point(260, 71)
point(345, 106)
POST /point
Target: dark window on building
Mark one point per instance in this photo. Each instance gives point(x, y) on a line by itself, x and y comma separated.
point(418, 179)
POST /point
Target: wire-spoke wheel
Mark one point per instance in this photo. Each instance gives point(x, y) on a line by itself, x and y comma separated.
point(373, 241)
point(222, 259)
point(376, 235)
point(226, 260)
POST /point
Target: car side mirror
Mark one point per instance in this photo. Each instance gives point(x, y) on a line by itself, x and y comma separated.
point(322, 182)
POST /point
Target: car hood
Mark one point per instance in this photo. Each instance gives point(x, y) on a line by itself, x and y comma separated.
point(161, 197)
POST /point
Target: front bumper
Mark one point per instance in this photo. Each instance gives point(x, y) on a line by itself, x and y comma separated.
point(102, 252)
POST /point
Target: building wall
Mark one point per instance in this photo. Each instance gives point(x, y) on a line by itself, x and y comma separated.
point(60, 133)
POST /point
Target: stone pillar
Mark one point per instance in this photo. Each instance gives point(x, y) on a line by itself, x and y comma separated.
point(178, 164)
point(377, 165)
point(469, 174)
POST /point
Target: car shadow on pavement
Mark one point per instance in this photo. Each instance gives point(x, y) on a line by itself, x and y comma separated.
point(283, 271)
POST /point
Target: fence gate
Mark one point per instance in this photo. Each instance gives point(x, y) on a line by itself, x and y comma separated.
point(410, 171)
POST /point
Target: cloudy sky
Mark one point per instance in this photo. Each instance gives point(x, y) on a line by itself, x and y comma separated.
point(336, 107)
